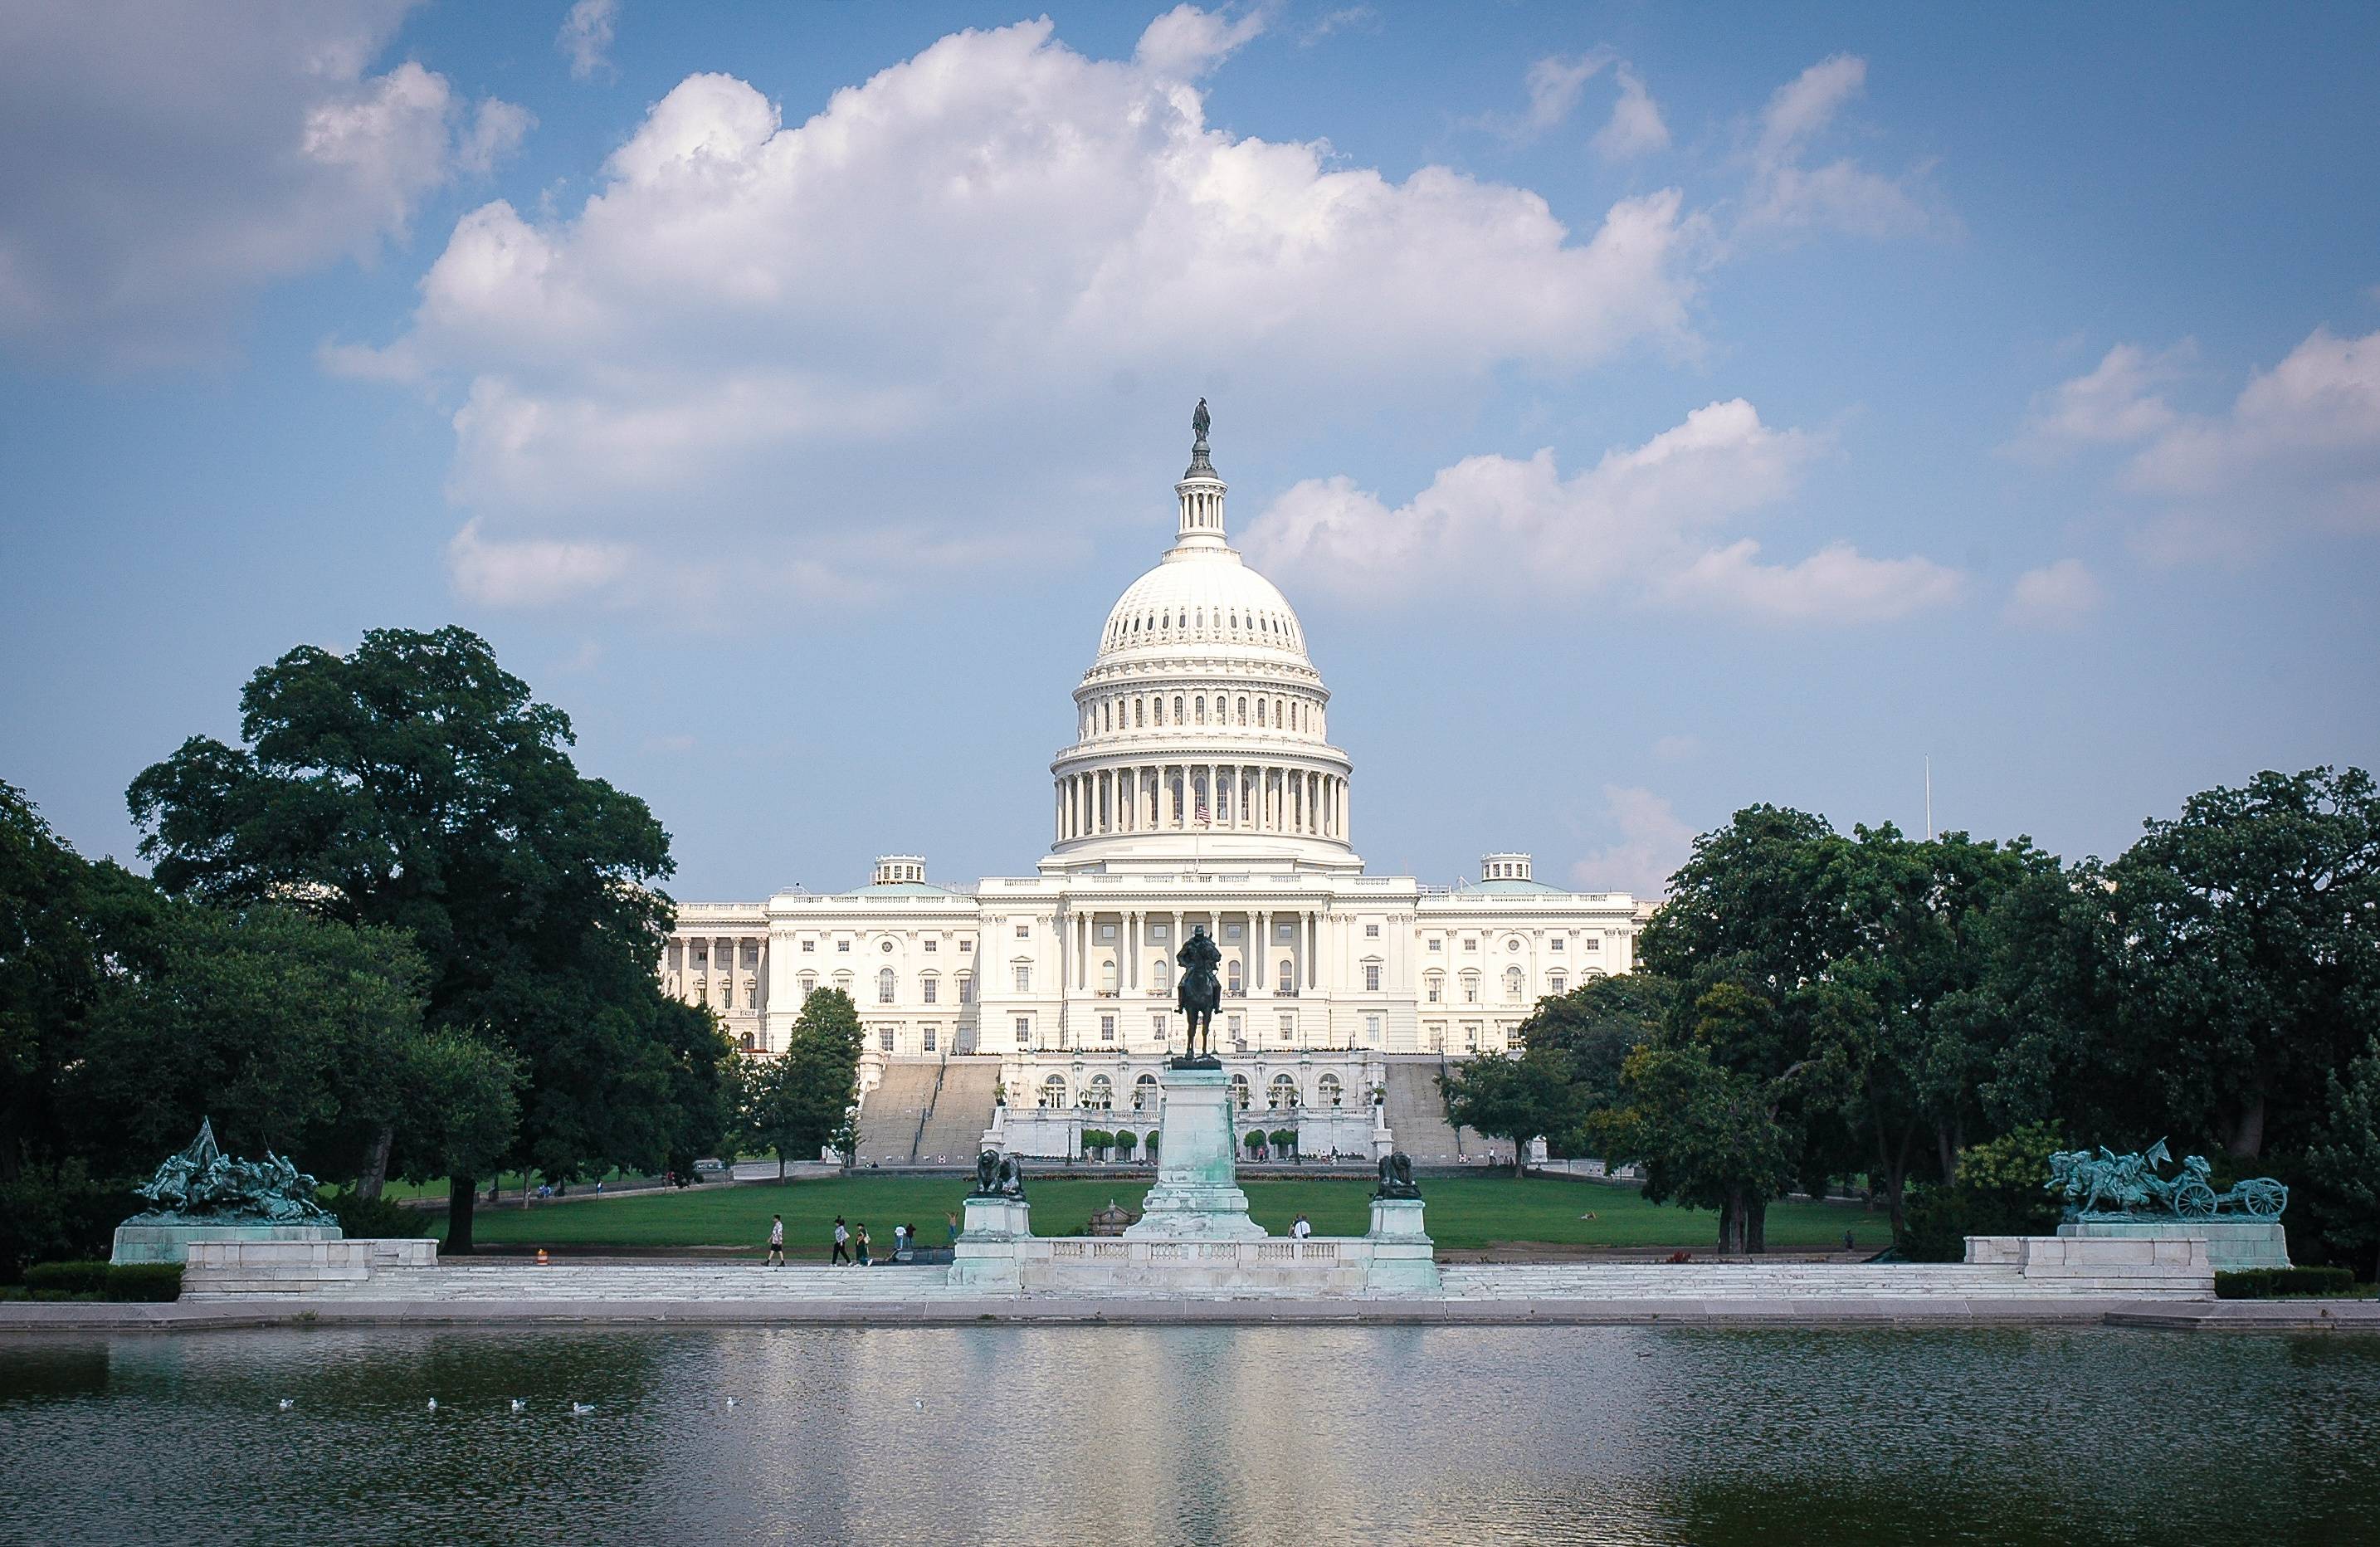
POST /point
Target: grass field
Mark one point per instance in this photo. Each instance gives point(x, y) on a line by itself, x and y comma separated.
point(1465, 1213)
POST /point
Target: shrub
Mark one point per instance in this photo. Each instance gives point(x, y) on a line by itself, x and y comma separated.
point(381, 1218)
point(144, 1280)
point(2002, 1190)
point(54, 1212)
point(1124, 1140)
point(1933, 1225)
point(1256, 1140)
point(67, 1278)
point(1283, 1139)
point(2264, 1284)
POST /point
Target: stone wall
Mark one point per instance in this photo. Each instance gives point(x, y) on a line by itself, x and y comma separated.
point(219, 1268)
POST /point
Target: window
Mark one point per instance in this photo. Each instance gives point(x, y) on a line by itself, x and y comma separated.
point(884, 1038)
point(1024, 979)
point(751, 955)
point(1471, 988)
point(1282, 1093)
point(1327, 1090)
point(1231, 978)
point(1556, 944)
point(1100, 1096)
point(1023, 931)
point(1288, 981)
point(1158, 933)
point(1372, 1031)
point(1471, 944)
point(844, 946)
point(1231, 1028)
point(701, 956)
point(931, 1033)
point(1177, 709)
point(1108, 978)
point(1162, 977)
point(1433, 988)
point(1284, 931)
point(1240, 1092)
point(1288, 1028)
point(1371, 977)
point(1136, 711)
point(1556, 983)
point(1514, 944)
point(885, 947)
point(1107, 932)
point(1107, 1029)
point(885, 987)
point(1371, 931)
point(1243, 710)
point(1144, 1093)
point(1592, 943)
point(1024, 1031)
point(1053, 1090)
point(810, 986)
point(1231, 932)
point(747, 1041)
point(966, 946)
point(1260, 714)
point(966, 988)
point(809, 945)
point(932, 945)
point(929, 988)
point(1199, 709)
point(1160, 1030)
point(1512, 988)
point(751, 998)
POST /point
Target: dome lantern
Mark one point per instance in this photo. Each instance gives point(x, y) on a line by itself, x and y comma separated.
point(1201, 492)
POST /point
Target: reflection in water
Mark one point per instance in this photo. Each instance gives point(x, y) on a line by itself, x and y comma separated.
point(1106, 1436)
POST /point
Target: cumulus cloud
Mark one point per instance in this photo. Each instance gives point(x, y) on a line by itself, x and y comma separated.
point(518, 574)
point(1635, 128)
point(586, 38)
point(168, 159)
point(2059, 595)
point(1643, 518)
point(1788, 193)
point(976, 244)
point(1651, 843)
point(2299, 445)
point(1554, 84)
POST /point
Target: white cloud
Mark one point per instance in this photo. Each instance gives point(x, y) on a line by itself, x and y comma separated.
point(1788, 194)
point(586, 38)
point(1642, 518)
point(1652, 844)
point(1554, 84)
point(1676, 749)
point(1836, 585)
point(2059, 595)
point(166, 161)
point(2299, 444)
point(1186, 42)
point(532, 574)
point(961, 258)
point(1636, 127)
point(1345, 18)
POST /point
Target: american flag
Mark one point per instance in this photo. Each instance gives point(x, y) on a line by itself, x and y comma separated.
point(1205, 819)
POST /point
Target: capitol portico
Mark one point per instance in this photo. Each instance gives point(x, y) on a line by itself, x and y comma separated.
point(1201, 789)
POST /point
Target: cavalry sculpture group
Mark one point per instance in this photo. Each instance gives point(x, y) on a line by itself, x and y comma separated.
point(205, 1185)
point(2112, 1186)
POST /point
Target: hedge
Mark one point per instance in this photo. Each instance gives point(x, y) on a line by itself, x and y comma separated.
point(362, 1218)
point(2264, 1284)
point(67, 1278)
point(145, 1281)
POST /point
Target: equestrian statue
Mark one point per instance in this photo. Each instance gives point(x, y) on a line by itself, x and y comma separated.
point(1201, 992)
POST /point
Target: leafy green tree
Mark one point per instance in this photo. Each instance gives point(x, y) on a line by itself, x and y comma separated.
point(1707, 1136)
point(2343, 1164)
point(1517, 1097)
point(414, 784)
point(1595, 1027)
point(805, 1099)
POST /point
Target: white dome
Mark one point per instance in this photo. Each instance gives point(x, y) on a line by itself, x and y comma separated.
point(1203, 598)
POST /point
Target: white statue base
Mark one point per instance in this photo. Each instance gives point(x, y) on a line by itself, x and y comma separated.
point(1198, 1195)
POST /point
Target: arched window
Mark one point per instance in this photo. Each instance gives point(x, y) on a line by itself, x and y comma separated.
point(1136, 712)
point(810, 985)
point(1260, 714)
point(1240, 1092)
point(1054, 1092)
point(1108, 978)
point(1287, 982)
point(1232, 977)
point(1177, 709)
point(1471, 988)
point(1556, 983)
point(929, 988)
point(1513, 982)
point(1282, 1091)
point(1433, 988)
point(1325, 1091)
point(1101, 1097)
point(1244, 709)
point(747, 1041)
point(1156, 711)
point(1199, 707)
point(885, 987)
point(1162, 977)
point(1144, 1093)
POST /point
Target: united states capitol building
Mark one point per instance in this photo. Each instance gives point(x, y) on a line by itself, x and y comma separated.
point(1201, 789)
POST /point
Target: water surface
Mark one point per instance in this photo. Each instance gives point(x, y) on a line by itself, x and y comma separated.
point(1106, 1436)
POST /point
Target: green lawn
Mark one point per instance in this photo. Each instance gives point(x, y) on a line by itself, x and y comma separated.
point(1465, 1212)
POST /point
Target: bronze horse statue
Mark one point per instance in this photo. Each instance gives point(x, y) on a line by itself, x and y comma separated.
point(1200, 992)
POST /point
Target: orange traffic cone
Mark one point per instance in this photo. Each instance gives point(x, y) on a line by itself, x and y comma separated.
point(541, 1257)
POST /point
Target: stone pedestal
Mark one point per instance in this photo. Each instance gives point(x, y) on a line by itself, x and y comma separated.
point(1198, 1195)
point(2231, 1244)
point(1403, 1261)
point(170, 1243)
point(992, 1242)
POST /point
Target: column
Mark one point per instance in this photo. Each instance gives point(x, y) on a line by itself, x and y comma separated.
point(1255, 984)
point(1132, 952)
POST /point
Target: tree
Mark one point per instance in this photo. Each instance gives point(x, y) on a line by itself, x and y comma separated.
point(2343, 1165)
point(1707, 1137)
point(1516, 1097)
point(414, 784)
point(1595, 1026)
point(811, 1090)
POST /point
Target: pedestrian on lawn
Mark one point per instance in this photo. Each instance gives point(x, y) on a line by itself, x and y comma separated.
point(776, 1241)
point(841, 1244)
point(1301, 1229)
point(859, 1242)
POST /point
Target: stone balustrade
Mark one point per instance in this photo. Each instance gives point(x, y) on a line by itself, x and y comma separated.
point(217, 1269)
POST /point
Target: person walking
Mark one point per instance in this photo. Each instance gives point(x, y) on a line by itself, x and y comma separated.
point(952, 1221)
point(859, 1243)
point(900, 1241)
point(776, 1241)
point(841, 1245)
point(1302, 1228)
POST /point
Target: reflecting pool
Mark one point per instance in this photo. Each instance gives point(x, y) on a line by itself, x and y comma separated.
point(1104, 1436)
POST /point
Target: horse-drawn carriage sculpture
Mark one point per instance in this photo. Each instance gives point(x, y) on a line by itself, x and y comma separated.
point(2110, 1186)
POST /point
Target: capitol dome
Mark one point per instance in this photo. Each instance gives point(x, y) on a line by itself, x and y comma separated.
point(1202, 722)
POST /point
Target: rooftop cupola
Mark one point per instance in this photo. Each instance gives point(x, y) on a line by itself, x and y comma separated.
point(1508, 866)
point(891, 869)
point(1200, 491)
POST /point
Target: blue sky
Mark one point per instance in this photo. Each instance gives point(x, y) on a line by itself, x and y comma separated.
point(1649, 411)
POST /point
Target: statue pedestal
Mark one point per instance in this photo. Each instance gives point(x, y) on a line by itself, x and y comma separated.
point(1198, 1195)
point(994, 1240)
point(2231, 1243)
point(1404, 1260)
point(170, 1243)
